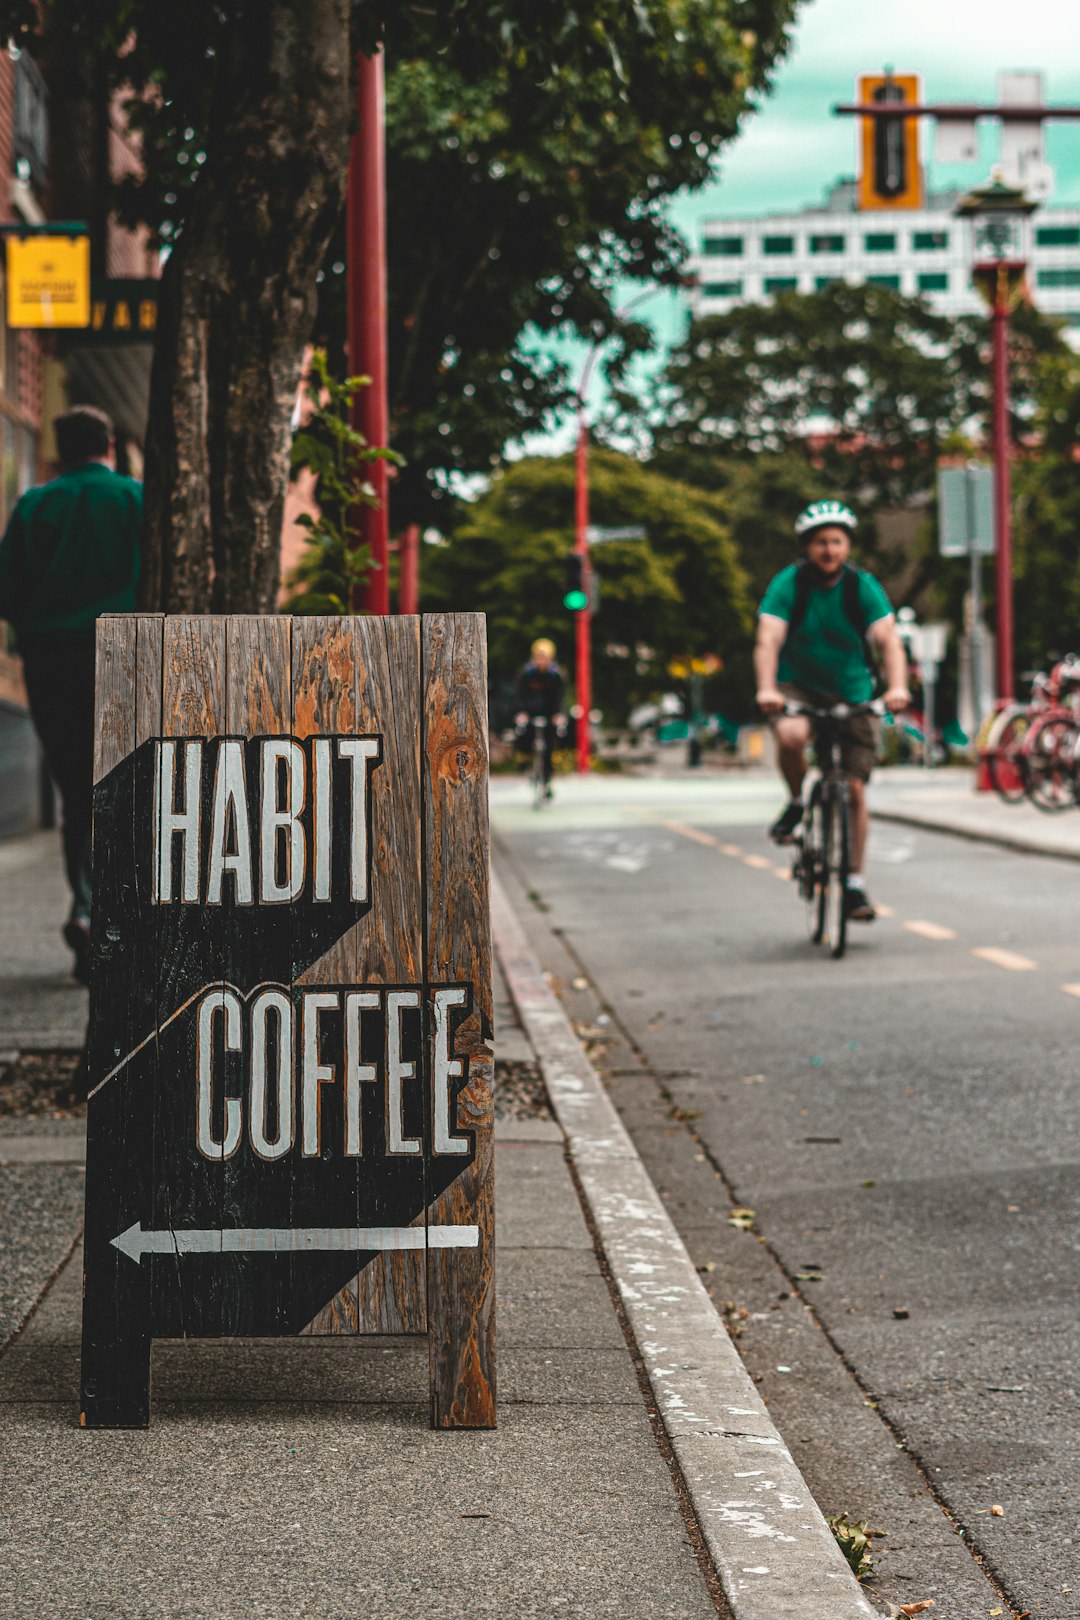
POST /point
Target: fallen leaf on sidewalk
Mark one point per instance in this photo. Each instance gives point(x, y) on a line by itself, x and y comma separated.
point(580, 983)
point(742, 1218)
point(919, 1608)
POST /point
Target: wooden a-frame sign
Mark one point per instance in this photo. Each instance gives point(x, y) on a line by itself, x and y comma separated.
point(290, 1122)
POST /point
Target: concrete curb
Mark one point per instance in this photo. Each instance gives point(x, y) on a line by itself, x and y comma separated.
point(929, 822)
point(772, 1550)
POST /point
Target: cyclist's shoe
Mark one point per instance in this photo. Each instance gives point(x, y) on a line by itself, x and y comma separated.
point(858, 907)
point(783, 828)
point(549, 792)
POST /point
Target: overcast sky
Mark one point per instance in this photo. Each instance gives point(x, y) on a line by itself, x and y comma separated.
point(789, 152)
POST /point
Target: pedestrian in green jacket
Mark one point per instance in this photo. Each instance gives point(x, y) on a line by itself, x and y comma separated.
point(71, 553)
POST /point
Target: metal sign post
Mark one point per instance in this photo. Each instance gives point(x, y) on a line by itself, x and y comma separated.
point(966, 528)
point(926, 643)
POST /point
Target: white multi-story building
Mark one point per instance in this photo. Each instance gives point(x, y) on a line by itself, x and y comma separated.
point(750, 258)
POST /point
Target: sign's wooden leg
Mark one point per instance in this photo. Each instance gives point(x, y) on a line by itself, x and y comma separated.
point(115, 1344)
point(461, 1282)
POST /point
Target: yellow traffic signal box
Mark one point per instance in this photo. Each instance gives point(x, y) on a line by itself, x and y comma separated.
point(891, 174)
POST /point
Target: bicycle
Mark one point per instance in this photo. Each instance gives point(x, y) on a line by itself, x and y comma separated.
point(1023, 744)
point(823, 856)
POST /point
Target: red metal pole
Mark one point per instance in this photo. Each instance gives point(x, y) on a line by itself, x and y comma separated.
point(409, 570)
point(999, 323)
point(583, 680)
point(366, 255)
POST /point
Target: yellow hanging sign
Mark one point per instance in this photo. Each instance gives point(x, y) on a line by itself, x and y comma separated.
point(48, 281)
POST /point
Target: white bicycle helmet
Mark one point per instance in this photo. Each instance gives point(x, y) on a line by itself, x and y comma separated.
point(820, 513)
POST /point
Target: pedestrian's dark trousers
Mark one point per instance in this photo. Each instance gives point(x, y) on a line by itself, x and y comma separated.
point(59, 668)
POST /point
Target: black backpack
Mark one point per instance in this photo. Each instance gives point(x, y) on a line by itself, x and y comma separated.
point(853, 608)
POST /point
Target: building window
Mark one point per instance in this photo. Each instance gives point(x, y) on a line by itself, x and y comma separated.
point(778, 244)
point(1057, 236)
point(1057, 278)
point(778, 284)
point(826, 244)
point(821, 282)
point(934, 281)
point(723, 289)
point(880, 242)
point(929, 241)
point(892, 282)
point(724, 247)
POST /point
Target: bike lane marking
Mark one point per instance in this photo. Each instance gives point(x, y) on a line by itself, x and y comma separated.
point(929, 930)
point(695, 833)
point(1012, 961)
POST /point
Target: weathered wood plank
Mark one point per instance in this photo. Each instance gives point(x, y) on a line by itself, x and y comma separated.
point(189, 1194)
point(115, 1385)
point(324, 684)
point(114, 693)
point(256, 1291)
point(389, 1295)
point(461, 1282)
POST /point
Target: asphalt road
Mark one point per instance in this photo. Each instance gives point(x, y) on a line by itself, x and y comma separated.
point(903, 1125)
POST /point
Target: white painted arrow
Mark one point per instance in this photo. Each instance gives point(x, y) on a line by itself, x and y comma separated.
point(293, 1239)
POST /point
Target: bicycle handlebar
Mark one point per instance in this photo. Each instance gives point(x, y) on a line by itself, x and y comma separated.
point(838, 711)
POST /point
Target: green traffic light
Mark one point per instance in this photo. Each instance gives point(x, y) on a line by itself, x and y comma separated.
point(576, 601)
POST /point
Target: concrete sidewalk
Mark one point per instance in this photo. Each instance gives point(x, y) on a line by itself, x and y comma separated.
point(946, 801)
point(299, 1477)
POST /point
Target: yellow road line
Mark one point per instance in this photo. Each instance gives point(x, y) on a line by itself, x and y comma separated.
point(1011, 960)
point(729, 849)
point(1071, 990)
point(885, 911)
point(783, 872)
point(761, 863)
point(930, 930)
point(695, 833)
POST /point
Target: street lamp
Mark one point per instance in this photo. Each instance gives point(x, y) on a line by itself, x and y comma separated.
point(583, 636)
point(999, 216)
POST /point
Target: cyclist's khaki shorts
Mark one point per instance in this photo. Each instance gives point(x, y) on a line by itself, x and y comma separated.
point(860, 737)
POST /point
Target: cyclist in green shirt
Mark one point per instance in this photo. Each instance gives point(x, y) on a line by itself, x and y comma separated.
point(71, 553)
point(819, 625)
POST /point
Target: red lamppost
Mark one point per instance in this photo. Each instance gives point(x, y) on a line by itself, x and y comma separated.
point(999, 227)
point(583, 627)
point(365, 226)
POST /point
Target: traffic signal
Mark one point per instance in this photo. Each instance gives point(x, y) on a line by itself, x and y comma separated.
point(575, 583)
point(891, 176)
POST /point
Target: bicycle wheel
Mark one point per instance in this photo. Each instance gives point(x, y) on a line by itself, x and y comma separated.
point(538, 785)
point(1004, 755)
point(808, 864)
point(1049, 758)
point(832, 911)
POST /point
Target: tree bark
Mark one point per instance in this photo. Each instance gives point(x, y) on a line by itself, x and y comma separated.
point(237, 305)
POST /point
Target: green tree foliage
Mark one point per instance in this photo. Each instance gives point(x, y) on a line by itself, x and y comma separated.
point(863, 385)
point(335, 559)
point(1046, 521)
point(681, 590)
point(531, 153)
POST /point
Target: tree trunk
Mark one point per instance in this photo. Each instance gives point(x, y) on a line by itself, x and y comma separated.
point(237, 306)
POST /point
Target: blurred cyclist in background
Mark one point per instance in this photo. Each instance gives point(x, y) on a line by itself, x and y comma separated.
point(541, 691)
point(822, 626)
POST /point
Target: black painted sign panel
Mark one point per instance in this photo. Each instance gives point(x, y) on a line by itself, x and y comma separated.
point(290, 1104)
